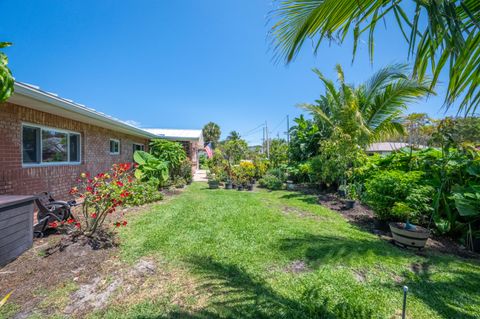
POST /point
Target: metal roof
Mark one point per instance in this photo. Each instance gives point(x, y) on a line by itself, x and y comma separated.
point(388, 146)
point(177, 134)
point(32, 96)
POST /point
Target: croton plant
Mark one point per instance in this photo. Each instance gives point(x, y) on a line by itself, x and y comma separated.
point(101, 195)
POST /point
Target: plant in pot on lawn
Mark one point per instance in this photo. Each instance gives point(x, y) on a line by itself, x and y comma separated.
point(248, 171)
point(101, 196)
point(407, 234)
point(351, 194)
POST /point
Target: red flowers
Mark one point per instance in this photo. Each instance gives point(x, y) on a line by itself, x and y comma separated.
point(101, 194)
point(124, 194)
point(53, 224)
point(118, 224)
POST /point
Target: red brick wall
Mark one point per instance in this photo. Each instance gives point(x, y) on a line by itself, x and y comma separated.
point(14, 179)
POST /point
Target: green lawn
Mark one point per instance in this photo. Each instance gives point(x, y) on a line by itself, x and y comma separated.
point(242, 248)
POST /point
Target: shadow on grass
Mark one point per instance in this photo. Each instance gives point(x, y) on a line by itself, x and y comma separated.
point(307, 198)
point(236, 294)
point(447, 294)
point(318, 249)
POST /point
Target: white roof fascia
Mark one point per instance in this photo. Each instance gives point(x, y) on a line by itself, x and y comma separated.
point(32, 97)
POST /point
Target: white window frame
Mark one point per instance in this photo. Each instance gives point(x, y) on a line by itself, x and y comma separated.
point(139, 144)
point(41, 163)
point(117, 141)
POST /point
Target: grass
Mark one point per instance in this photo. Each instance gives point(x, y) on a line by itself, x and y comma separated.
point(240, 248)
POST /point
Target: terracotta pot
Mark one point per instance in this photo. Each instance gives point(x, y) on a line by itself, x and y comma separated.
point(415, 238)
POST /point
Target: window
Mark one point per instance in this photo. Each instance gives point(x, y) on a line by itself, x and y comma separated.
point(114, 147)
point(138, 147)
point(41, 145)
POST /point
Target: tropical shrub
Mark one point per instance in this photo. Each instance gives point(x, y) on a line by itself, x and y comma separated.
point(271, 182)
point(171, 153)
point(101, 196)
point(185, 171)
point(390, 192)
point(278, 152)
point(261, 167)
point(151, 168)
point(235, 150)
point(6, 77)
point(143, 193)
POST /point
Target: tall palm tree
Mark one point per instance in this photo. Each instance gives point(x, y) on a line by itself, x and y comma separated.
point(440, 33)
point(372, 111)
point(233, 136)
point(6, 78)
point(211, 133)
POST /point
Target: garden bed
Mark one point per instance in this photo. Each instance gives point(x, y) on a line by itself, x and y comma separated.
point(363, 217)
point(61, 262)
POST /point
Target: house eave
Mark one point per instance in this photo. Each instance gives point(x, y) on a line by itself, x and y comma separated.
point(27, 96)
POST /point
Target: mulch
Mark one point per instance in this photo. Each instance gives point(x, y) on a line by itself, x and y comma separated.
point(59, 258)
point(363, 217)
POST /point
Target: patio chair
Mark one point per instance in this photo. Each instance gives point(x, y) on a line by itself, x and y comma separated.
point(49, 211)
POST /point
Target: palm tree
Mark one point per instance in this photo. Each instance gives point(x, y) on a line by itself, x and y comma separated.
point(211, 133)
point(449, 35)
point(6, 78)
point(233, 136)
point(371, 111)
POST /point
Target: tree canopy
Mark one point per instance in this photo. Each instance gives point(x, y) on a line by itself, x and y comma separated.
point(440, 33)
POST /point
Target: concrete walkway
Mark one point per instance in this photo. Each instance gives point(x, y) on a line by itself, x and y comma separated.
point(200, 176)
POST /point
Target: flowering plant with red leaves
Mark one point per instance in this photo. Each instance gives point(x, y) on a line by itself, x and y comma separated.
point(101, 195)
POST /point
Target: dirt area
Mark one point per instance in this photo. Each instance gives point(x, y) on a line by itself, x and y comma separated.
point(77, 279)
point(363, 217)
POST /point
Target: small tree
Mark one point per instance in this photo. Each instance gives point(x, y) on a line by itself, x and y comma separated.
point(235, 150)
point(101, 196)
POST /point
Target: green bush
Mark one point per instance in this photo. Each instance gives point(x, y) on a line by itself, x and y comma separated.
point(185, 171)
point(397, 195)
point(143, 193)
point(271, 182)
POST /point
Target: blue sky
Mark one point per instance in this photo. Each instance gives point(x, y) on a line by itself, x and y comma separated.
point(178, 64)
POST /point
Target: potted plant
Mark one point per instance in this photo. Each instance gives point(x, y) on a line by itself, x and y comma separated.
point(407, 234)
point(239, 187)
point(249, 187)
point(351, 195)
point(290, 186)
point(342, 190)
point(228, 184)
point(213, 182)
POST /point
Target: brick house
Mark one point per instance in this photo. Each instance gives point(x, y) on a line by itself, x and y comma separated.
point(47, 141)
point(192, 141)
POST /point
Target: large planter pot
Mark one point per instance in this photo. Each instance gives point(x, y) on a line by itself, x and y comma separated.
point(213, 184)
point(228, 185)
point(413, 238)
point(240, 188)
point(249, 187)
point(349, 204)
point(342, 193)
point(290, 186)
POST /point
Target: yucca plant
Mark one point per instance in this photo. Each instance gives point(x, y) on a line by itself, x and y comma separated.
point(438, 33)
